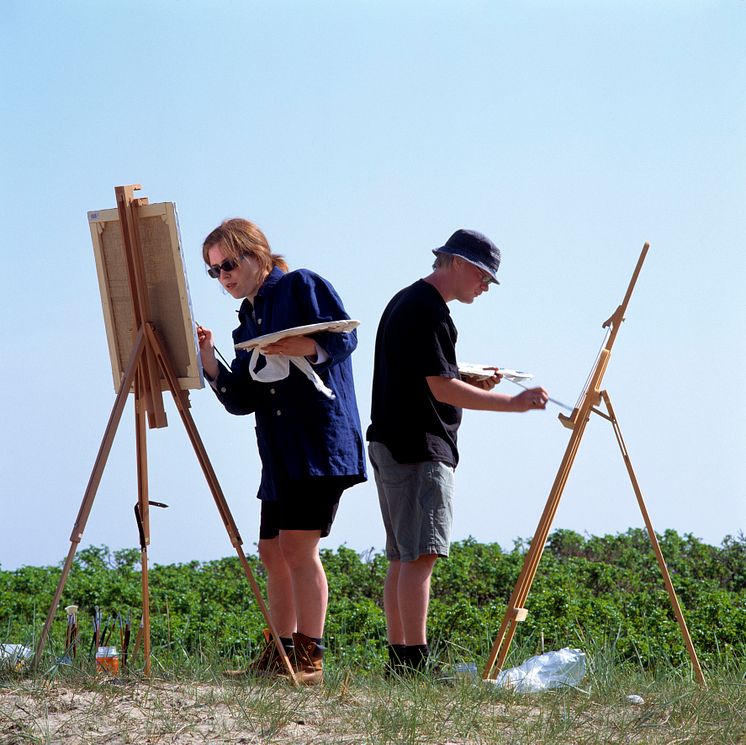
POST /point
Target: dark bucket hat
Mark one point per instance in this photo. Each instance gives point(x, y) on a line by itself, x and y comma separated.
point(476, 248)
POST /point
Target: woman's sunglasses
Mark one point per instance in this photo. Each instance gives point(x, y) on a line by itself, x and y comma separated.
point(227, 266)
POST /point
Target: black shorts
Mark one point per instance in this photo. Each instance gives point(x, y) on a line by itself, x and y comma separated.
point(307, 504)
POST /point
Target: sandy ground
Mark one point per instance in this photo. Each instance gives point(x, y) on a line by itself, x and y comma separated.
point(115, 713)
point(147, 713)
point(119, 711)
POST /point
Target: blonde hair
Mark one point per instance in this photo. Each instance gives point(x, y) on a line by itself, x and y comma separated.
point(238, 238)
point(443, 260)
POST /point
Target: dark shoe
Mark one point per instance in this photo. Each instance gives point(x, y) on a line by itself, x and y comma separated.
point(308, 660)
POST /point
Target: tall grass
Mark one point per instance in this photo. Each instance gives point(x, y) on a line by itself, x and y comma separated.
point(187, 700)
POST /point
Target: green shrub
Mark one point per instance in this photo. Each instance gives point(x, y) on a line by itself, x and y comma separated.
point(586, 590)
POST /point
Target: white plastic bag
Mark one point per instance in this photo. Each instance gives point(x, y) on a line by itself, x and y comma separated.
point(14, 655)
point(565, 667)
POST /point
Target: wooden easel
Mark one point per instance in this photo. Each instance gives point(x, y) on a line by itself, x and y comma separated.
point(591, 397)
point(148, 365)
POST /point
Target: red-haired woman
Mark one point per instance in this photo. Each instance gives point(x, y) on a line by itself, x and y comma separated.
point(308, 434)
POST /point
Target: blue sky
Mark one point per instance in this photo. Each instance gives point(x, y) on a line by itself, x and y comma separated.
point(358, 136)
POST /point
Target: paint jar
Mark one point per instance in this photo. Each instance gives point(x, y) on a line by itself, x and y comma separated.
point(107, 660)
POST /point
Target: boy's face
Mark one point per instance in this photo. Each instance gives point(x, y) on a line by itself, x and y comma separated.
point(471, 281)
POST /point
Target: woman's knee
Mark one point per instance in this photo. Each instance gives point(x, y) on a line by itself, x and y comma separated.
point(299, 547)
point(270, 553)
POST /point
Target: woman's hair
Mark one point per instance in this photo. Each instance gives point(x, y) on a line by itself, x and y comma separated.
point(238, 238)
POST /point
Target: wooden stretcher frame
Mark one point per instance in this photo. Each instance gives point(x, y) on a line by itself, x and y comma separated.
point(591, 397)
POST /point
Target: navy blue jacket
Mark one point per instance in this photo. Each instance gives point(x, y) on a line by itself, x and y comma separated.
point(300, 432)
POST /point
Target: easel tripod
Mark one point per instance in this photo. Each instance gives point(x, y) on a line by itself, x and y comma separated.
point(590, 399)
point(148, 369)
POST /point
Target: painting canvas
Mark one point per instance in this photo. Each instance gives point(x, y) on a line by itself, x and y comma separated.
point(168, 289)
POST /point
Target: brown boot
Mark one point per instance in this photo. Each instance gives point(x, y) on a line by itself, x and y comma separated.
point(268, 663)
point(308, 660)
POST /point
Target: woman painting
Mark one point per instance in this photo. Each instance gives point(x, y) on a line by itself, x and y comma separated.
point(308, 434)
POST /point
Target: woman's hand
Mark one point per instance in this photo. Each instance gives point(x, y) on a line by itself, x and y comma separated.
point(292, 346)
point(204, 337)
point(207, 352)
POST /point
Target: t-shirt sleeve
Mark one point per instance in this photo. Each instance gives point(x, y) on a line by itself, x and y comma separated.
point(427, 344)
point(439, 352)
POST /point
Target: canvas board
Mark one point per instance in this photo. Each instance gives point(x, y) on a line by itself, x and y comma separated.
point(168, 290)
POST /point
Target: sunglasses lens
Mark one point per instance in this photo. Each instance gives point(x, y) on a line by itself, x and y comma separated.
point(226, 266)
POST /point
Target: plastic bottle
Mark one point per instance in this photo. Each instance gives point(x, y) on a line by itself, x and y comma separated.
point(466, 670)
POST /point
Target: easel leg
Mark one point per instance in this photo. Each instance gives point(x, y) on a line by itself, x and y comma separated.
point(92, 488)
point(656, 546)
point(145, 611)
point(144, 516)
point(233, 533)
point(515, 611)
point(217, 493)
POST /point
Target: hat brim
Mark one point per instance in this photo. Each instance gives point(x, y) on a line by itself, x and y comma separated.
point(478, 264)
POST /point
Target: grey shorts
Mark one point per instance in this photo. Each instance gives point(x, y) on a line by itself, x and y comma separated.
point(416, 504)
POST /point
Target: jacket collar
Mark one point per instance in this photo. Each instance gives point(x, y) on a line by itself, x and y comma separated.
point(247, 308)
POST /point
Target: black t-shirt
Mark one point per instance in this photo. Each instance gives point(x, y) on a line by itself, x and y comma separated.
point(416, 338)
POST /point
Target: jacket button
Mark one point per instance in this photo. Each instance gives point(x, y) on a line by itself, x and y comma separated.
point(259, 321)
point(272, 391)
point(222, 390)
point(279, 413)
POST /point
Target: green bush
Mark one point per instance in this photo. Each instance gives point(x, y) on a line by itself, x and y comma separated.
point(586, 590)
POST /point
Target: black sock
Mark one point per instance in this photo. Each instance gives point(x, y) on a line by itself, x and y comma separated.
point(416, 656)
point(396, 655)
point(287, 642)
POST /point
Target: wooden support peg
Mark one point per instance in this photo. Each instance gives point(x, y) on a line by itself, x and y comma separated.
point(519, 614)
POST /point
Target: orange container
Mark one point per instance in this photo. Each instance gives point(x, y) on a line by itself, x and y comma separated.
point(107, 660)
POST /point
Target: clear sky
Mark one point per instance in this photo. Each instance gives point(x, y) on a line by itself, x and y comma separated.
point(359, 135)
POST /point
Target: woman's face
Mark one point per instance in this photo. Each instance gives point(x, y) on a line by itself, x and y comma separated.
point(242, 282)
